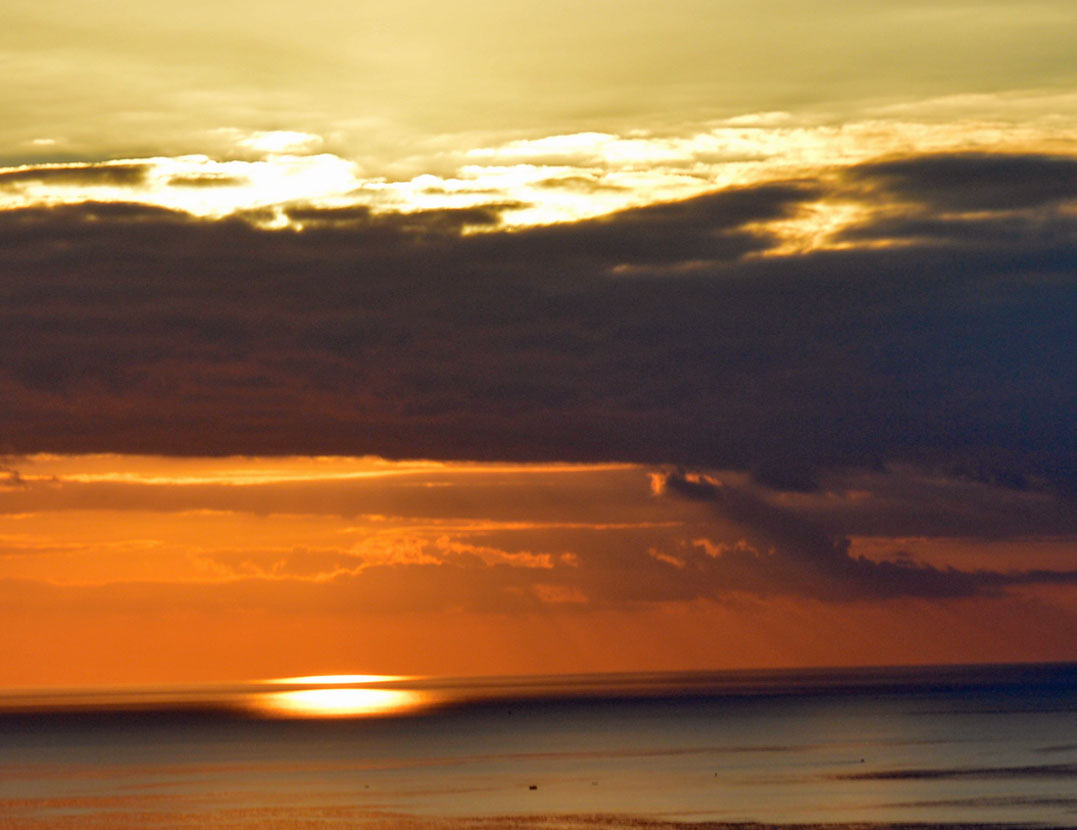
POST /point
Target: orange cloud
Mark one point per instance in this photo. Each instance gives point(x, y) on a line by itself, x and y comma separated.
point(139, 569)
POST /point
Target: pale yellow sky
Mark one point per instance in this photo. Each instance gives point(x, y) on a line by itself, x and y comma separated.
point(570, 109)
point(380, 81)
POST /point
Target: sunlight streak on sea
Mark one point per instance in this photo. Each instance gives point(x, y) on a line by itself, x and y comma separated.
point(973, 745)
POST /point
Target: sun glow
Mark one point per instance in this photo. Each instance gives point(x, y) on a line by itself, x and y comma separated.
point(250, 471)
point(337, 702)
point(816, 227)
point(336, 679)
point(262, 175)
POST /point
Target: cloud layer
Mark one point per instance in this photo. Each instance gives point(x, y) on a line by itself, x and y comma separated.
point(505, 538)
point(136, 567)
point(781, 552)
point(937, 327)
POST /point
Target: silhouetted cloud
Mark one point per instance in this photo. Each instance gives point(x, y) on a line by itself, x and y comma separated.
point(448, 220)
point(782, 552)
point(664, 334)
point(10, 476)
point(82, 175)
point(973, 181)
point(948, 773)
point(208, 181)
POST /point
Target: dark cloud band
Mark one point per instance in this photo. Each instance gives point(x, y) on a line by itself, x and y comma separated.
point(654, 335)
point(79, 175)
point(782, 552)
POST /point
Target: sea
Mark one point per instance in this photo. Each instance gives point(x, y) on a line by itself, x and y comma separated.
point(926, 747)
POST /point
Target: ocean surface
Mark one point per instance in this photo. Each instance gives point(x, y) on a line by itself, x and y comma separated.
point(982, 746)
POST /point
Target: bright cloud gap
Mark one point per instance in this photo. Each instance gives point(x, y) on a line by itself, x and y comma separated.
point(287, 179)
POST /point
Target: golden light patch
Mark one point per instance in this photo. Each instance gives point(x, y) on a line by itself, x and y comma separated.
point(241, 471)
point(336, 702)
point(539, 181)
point(816, 227)
point(336, 679)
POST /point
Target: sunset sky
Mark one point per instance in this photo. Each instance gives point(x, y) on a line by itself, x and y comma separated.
point(470, 338)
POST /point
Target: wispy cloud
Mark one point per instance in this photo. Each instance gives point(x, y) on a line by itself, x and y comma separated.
point(589, 536)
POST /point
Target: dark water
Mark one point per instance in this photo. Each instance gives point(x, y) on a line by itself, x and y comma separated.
point(948, 746)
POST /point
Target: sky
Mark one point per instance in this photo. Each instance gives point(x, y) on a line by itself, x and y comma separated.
point(431, 338)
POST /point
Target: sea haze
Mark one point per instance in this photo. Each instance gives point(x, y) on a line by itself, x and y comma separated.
point(956, 745)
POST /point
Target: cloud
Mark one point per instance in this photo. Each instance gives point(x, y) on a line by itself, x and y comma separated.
point(582, 184)
point(208, 181)
point(10, 477)
point(948, 773)
point(533, 536)
point(299, 563)
point(505, 539)
point(781, 552)
point(973, 181)
point(419, 223)
point(708, 228)
point(985, 204)
point(78, 175)
point(664, 334)
point(908, 501)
